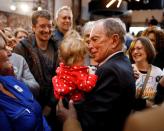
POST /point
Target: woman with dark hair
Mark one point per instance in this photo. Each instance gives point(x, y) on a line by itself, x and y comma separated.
point(157, 38)
point(142, 53)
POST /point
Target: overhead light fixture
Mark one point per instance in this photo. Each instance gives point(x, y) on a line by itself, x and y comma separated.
point(145, 1)
point(112, 2)
point(24, 7)
point(119, 3)
point(38, 5)
point(39, 8)
point(12, 7)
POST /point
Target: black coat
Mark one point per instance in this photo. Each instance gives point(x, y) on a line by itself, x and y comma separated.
point(107, 106)
point(42, 69)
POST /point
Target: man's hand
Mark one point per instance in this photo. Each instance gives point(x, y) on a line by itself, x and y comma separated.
point(64, 113)
point(69, 116)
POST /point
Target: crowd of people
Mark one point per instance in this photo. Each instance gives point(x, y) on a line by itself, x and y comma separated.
point(57, 79)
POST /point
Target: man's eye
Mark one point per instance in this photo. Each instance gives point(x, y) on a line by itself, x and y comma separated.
point(94, 39)
point(45, 26)
point(42, 26)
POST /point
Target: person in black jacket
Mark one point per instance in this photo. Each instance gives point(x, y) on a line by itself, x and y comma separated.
point(108, 105)
point(159, 98)
point(40, 51)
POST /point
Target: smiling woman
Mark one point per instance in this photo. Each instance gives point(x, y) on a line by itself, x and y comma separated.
point(142, 54)
point(64, 22)
point(18, 108)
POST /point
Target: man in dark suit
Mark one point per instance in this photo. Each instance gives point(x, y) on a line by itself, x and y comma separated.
point(108, 105)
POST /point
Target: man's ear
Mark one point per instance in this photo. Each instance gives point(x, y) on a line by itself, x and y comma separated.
point(116, 40)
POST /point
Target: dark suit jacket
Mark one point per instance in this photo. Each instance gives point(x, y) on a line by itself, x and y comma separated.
point(107, 106)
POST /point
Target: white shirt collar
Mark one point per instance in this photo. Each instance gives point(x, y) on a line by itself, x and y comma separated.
point(109, 57)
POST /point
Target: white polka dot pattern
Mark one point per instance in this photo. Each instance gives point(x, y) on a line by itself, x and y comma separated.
point(73, 80)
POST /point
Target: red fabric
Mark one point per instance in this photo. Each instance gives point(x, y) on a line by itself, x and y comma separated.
point(73, 80)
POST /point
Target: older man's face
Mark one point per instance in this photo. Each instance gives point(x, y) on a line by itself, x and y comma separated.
point(100, 44)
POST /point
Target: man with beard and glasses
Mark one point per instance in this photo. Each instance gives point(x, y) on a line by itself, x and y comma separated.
point(40, 52)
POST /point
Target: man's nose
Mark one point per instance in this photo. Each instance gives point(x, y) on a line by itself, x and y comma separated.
point(47, 29)
point(90, 45)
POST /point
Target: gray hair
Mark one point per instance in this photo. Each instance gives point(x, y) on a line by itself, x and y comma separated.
point(88, 26)
point(115, 26)
point(61, 9)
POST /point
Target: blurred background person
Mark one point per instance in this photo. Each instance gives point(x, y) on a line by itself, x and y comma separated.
point(20, 34)
point(159, 98)
point(63, 22)
point(9, 37)
point(148, 120)
point(157, 38)
point(86, 30)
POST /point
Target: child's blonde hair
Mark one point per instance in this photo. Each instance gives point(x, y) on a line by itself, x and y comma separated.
point(72, 48)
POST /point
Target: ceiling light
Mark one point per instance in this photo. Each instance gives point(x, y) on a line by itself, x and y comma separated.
point(24, 7)
point(110, 3)
point(119, 3)
point(39, 8)
point(12, 7)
